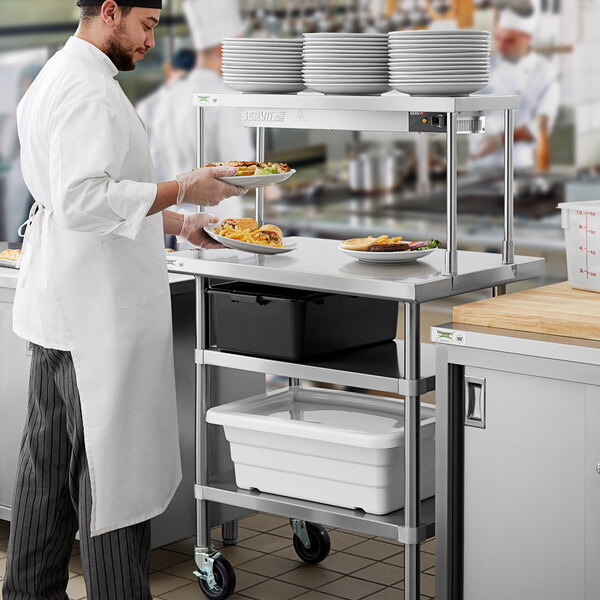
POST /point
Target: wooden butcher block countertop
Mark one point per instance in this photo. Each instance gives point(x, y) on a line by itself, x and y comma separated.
point(554, 309)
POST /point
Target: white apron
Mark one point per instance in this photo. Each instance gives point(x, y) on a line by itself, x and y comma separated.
point(105, 297)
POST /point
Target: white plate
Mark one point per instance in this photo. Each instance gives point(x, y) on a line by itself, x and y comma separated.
point(436, 54)
point(11, 264)
point(345, 78)
point(350, 88)
point(435, 32)
point(425, 78)
point(242, 71)
point(451, 71)
point(268, 88)
point(438, 43)
point(252, 64)
point(266, 57)
point(352, 83)
point(247, 247)
point(441, 62)
point(406, 256)
point(441, 38)
point(345, 36)
point(270, 40)
point(410, 82)
point(310, 52)
point(437, 89)
point(344, 61)
point(234, 83)
point(291, 77)
point(254, 181)
point(344, 68)
point(263, 46)
point(345, 44)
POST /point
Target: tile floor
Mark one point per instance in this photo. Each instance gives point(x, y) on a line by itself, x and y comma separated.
point(267, 568)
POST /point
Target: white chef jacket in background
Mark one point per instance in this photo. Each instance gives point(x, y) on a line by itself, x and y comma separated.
point(534, 79)
point(93, 279)
point(171, 128)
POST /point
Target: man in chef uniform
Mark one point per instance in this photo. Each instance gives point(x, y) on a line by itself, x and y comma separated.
point(172, 124)
point(516, 69)
point(100, 452)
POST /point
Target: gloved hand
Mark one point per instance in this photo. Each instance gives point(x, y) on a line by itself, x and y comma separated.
point(192, 230)
point(202, 186)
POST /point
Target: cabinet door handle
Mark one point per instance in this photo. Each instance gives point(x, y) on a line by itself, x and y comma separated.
point(475, 402)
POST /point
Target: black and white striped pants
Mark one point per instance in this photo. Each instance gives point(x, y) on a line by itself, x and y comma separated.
point(53, 500)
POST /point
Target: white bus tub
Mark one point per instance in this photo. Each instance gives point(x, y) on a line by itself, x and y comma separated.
point(331, 447)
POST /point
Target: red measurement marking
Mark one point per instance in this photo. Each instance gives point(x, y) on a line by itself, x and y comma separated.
point(587, 266)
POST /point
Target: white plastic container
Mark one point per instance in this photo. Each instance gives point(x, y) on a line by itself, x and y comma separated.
point(331, 447)
point(581, 222)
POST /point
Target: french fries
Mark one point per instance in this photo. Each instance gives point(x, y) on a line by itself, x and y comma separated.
point(243, 235)
point(384, 239)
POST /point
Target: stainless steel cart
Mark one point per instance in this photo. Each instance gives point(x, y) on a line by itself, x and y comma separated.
point(317, 265)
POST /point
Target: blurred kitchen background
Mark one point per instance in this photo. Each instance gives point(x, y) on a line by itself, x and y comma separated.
point(351, 184)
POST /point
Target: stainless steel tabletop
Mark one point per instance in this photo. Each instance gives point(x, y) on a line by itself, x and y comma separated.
point(317, 264)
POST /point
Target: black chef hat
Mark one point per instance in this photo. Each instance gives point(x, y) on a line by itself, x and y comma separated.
point(140, 3)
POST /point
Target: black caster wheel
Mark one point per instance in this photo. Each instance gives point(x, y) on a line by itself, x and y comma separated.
point(225, 578)
point(320, 544)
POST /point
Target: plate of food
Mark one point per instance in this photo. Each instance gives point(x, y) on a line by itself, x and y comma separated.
point(247, 236)
point(386, 249)
point(10, 258)
point(253, 174)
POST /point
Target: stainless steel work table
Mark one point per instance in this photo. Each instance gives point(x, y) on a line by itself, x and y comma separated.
point(318, 265)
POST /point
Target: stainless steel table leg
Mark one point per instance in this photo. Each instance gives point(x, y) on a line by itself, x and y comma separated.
point(202, 401)
point(199, 156)
point(229, 532)
point(412, 439)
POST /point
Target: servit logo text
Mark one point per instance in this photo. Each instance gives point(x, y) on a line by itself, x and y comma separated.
point(270, 116)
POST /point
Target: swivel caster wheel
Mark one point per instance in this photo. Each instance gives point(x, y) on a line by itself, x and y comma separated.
point(224, 581)
point(311, 542)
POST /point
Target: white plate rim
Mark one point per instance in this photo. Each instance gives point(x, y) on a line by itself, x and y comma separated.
point(387, 257)
point(251, 179)
point(432, 32)
point(339, 36)
point(248, 247)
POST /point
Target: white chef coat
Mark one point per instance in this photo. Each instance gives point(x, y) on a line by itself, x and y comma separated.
point(172, 132)
point(93, 278)
point(534, 80)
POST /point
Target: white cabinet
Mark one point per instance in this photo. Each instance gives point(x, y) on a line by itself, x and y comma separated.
point(14, 382)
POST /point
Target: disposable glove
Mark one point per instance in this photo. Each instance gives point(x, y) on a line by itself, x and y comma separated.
point(202, 186)
point(193, 230)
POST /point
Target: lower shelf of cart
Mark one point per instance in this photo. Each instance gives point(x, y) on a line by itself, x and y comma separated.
point(388, 526)
point(379, 367)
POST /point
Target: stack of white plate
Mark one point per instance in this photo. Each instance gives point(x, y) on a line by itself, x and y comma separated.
point(346, 63)
point(439, 62)
point(263, 65)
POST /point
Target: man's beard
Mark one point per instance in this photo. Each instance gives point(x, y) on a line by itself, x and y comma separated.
point(120, 56)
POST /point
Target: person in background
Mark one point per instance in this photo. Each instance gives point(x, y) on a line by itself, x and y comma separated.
point(517, 69)
point(172, 126)
point(179, 66)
